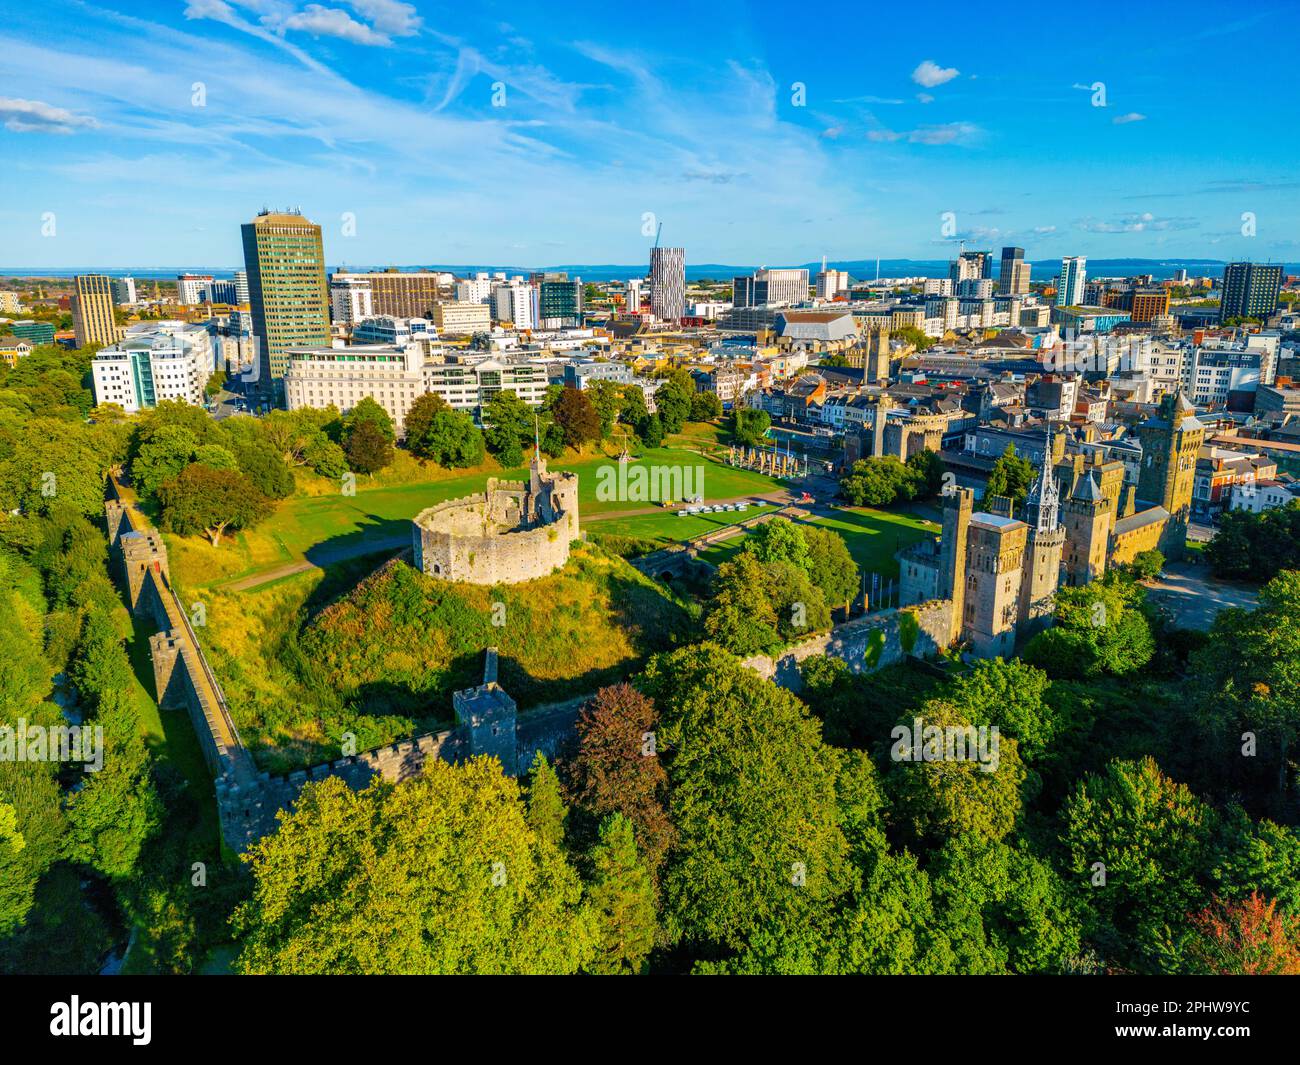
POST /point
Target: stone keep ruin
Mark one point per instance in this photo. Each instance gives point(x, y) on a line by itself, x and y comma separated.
point(512, 532)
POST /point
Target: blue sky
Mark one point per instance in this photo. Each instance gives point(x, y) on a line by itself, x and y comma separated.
point(384, 111)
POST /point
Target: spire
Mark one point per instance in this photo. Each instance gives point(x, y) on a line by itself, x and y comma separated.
point(1043, 503)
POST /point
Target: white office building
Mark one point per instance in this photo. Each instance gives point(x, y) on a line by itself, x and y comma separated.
point(1070, 285)
point(477, 289)
point(396, 332)
point(123, 290)
point(515, 302)
point(154, 362)
point(190, 288)
point(351, 299)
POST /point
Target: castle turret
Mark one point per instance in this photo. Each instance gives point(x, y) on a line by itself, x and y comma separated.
point(1088, 517)
point(958, 505)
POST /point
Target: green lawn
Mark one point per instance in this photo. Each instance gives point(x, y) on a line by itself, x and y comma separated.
point(872, 537)
point(669, 527)
point(324, 528)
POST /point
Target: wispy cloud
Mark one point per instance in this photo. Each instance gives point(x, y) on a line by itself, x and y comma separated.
point(961, 133)
point(1132, 116)
point(1145, 222)
point(36, 116)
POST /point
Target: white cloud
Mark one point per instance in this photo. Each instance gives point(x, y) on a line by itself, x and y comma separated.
point(36, 116)
point(946, 133)
point(1132, 116)
point(925, 97)
point(1145, 222)
point(930, 74)
point(332, 22)
point(389, 16)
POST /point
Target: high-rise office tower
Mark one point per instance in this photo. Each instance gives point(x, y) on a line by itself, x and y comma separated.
point(1250, 290)
point(288, 296)
point(632, 301)
point(241, 287)
point(1069, 286)
point(124, 290)
point(92, 310)
point(970, 265)
point(559, 302)
point(770, 287)
point(668, 283)
point(350, 298)
point(1013, 279)
point(190, 288)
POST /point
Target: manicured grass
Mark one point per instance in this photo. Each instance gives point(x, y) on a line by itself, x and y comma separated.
point(324, 527)
point(669, 527)
point(872, 537)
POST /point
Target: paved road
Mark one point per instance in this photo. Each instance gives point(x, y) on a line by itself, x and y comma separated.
point(1194, 597)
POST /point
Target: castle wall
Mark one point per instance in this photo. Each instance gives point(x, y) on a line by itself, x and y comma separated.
point(867, 644)
point(443, 549)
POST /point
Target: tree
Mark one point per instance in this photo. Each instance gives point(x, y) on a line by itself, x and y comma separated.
point(53, 463)
point(368, 412)
point(622, 895)
point(577, 418)
point(1011, 476)
point(673, 400)
point(546, 809)
point(652, 432)
point(616, 769)
point(204, 500)
point(753, 797)
point(420, 417)
point(878, 482)
point(368, 449)
point(1011, 695)
point(510, 425)
point(941, 793)
point(705, 406)
point(929, 468)
point(1147, 565)
point(440, 874)
point(830, 565)
point(607, 398)
point(1100, 629)
point(162, 456)
point(1142, 840)
point(1248, 937)
point(740, 614)
point(749, 426)
point(633, 411)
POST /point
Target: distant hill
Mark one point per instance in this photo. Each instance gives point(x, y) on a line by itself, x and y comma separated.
point(859, 269)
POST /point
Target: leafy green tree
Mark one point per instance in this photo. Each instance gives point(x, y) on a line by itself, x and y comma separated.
point(204, 500)
point(879, 482)
point(510, 424)
point(633, 411)
point(1147, 565)
point(740, 614)
point(1011, 476)
point(938, 796)
point(215, 457)
point(1262, 856)
point(779, 540)
point(673, 400)
point(265, 469)
point(368, 412)
point(52, 463)
point(546, 810)
point(1011, 695)
point(440, 874)
point(161, 457)
point(420, 417)
point(830, 565)
point(929, 468)
point(749, 426)
point(752, 795)
point(607, 398)
point(1100, 629)
point(622, 895)
point(652, 432)
point(705, 406)
point(1152, 838)
point(368, 449)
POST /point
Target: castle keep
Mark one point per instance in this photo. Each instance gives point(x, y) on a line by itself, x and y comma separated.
point(514, 531)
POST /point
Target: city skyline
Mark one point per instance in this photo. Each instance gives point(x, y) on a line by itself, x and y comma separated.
point(405, 141)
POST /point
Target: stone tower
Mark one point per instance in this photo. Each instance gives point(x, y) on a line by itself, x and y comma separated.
point(1044, 547)
point(1170, 442)
point(878, 420)
point(958, 505)
point(487, 715)
point(1088, 518)
point(876, 366)
point(994, 570)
